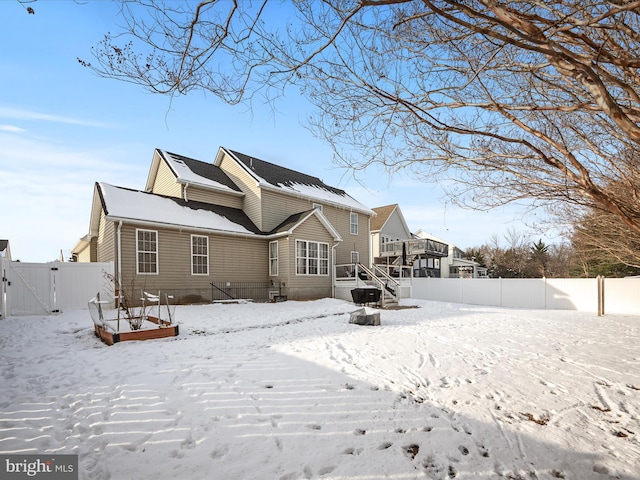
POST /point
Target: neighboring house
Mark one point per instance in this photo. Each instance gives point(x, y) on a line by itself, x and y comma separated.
point(239, 219)
point(387, 226)
point(392, 243)
point(5, 250)
point(455, 265)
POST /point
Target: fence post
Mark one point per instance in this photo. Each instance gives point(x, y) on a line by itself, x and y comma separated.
point(600, 280)
point(3, 290)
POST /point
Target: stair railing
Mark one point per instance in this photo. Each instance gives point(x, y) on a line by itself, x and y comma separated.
point(382, 278)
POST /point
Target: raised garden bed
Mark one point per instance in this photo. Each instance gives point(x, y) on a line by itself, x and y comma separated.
point(157, 329)
point(124, 324)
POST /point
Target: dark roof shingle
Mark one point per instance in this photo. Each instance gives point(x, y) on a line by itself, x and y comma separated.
point(206, 170)
point(277, 175)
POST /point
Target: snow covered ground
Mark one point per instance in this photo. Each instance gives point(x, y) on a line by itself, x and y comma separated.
point(293, 391)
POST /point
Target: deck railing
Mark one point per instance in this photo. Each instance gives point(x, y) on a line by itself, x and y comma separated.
point(414, 247)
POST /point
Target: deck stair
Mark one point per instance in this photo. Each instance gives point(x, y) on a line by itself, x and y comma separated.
point(378, 278)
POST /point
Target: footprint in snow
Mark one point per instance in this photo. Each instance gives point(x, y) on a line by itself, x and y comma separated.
point(326, 470)
point(354, 451)
point(411, 450)
point(483, 450)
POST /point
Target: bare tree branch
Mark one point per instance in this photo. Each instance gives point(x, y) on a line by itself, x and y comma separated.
point(502, 100)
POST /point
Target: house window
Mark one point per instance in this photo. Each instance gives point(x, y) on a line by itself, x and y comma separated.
point(273, 258)
point(353, 224)
point(147, 250)
point(199, 255)
point(355, 257)
point(317, 206)
point(312, 258)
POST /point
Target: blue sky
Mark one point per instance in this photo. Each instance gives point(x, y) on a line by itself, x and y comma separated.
point(62, 129)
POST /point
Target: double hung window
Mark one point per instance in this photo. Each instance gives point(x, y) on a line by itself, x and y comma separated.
point(147, 251)
point(273, 258)
point(199, 255)
point(353, 223)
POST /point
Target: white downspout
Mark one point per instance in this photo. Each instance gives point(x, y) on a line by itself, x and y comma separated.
point(184, 192)
point(333, 270)
point(119, 252)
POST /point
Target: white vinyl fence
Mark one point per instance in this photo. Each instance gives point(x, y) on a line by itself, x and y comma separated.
point(49, 288)
point(619, 295)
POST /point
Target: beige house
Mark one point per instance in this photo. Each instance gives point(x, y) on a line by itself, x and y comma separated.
point(200, 230)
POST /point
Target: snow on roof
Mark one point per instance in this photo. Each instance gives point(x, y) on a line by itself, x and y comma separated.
point(428, 236)
point(184, 169)
point(323, 195)
point(125, 204)
point(271, 175)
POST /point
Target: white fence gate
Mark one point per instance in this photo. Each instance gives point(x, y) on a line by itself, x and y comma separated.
point(49, 288)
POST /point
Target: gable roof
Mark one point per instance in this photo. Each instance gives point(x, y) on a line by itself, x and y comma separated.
point(382, 215)
point(294, 221)
point(285, 180)
point(192, 172)
point(121, 203)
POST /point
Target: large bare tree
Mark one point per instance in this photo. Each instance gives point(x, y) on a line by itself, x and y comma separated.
point(511, 99)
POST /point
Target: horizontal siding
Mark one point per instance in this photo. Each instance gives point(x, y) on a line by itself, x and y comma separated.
point(278, 207)
point(341, 221)
point(304, 287)
point(84, 256)
point(268, 209)
point(198, 194)
point(165, 182)
point(395, 228)
point(251, 202)
point(105, 245)
point(233, 259)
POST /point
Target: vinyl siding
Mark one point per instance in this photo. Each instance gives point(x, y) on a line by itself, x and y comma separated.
point(165, 182)
point(283, 261)
point(84, 256)
point(305, 287)
point(278, 206)
point(231, 258)
point(105, 245)
point(251, 203)
point(198, 194)
point(394, 227)
point(341, 221)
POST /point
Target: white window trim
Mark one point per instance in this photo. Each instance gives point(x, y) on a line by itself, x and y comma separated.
point(200, 255)
point(352, 224)
point(320, 259)
point(273, 273)
point(138, 251)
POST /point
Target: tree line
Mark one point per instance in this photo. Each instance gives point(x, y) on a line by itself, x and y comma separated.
point(517, 255)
